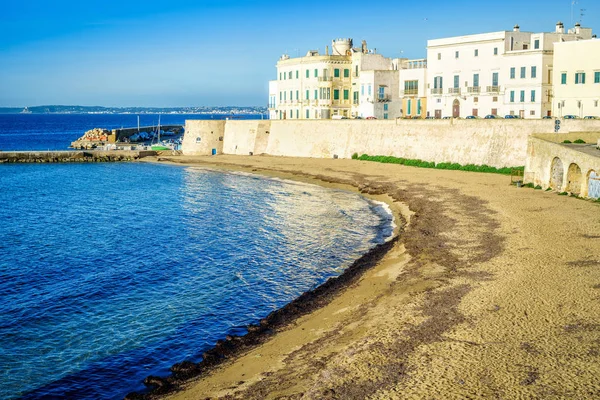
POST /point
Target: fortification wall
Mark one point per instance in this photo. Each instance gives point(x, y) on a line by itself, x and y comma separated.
point(497, 143)
point(202, 136)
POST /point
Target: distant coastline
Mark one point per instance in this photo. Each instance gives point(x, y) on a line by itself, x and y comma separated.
point(59, 109)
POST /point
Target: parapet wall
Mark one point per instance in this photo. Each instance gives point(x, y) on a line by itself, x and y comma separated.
point(497, 143)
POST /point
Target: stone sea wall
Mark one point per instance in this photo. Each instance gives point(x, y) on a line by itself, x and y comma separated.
point(71, 156)
point(497, 143)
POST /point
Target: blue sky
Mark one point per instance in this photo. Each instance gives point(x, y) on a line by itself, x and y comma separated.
point(193, 53)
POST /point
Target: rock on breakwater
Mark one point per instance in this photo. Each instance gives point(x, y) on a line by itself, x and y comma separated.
point(72, 156)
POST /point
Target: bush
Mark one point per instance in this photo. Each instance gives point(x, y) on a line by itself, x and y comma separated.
point(538, 187)
point(579, 141)
point(355, 156)
point(528, 185)
point(567, 141)
point(431, 164)
point(563, 194)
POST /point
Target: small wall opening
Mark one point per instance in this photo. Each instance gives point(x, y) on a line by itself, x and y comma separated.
point(593, 185)
point(556, 174)
point(574, 179)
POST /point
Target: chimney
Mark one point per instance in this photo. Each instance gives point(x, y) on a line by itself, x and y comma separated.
point(326, 50)
point(517, 28)
point(577, 28)
point(560, 27)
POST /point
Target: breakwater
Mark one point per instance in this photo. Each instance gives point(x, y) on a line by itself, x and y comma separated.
point(72, 156)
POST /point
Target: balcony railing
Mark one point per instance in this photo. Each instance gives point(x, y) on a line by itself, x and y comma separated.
point(493, 89)
point(325, 79)
point(474, 89)
point(437, 91)
point(454, 90)
point(409, 92)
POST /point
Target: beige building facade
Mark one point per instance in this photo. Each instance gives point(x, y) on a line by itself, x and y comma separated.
point(577, 78)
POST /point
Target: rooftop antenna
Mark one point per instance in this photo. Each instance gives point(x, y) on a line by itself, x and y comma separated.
point(581, 14)
point(573, 2)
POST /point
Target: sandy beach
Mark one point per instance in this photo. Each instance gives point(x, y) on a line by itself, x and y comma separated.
point(490, 291)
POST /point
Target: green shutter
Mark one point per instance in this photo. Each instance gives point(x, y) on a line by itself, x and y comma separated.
point(336, 94)
point(336, 73)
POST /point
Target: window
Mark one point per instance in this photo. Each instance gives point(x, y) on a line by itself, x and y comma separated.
point(533, 96)
point(307, 94)
point(316, 72)
point(297, 72)
point(411, 87)
point(356, 70)
point(522, 96)
point(536, 44)
point(336, 73)
point(456, 81)
point(476, 80)
point(346, 94)
point(437, 82)
point(381, 92)
point(284, 96)
point(316, 94)
point(532, 112)
point(512, 96)
point(563, 78)
point(495, 99)
point(456, 54)
point(534, 72)
point(362, 90)
point(595, 103)
point(336, 94)
point(419, 107)
point(308, 76)
point(439, 56)
point(355, 94)
point(280, 96)
point(307, 114)
point(369, 90)
point(297, 95)
point(297, 113)
point(385, 116)
point(290, 75)
point(385, 107)
point(597, 77)
point(512, 72)
point(476, 52)
point(495, 51)
point(409, 104)
point(523, 72)
point(494, 111)
point(346, 73)
point(495, 79)
point(284, 76)
point(475, 99)
point(291, 97)
point(580, 78)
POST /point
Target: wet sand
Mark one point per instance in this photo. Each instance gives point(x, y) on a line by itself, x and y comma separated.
point(490, 291)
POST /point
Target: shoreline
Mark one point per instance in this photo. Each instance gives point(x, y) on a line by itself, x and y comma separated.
point(492, 290)
point(233, 346)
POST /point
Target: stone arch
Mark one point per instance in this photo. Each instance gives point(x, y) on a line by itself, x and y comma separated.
point(593, 184)
point(574, 179)
point(557, 172)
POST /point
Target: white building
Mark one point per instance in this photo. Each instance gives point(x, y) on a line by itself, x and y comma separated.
point(413, 88)
point(349, 82)
point(577, 78)
point(507, 72)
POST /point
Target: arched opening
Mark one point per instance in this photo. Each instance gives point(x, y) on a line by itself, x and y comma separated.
point(456, 109)
point(556, 174)
point(574, 179)
point(593, 185)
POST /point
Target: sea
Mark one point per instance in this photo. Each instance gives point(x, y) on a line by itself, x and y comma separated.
point(111, 272)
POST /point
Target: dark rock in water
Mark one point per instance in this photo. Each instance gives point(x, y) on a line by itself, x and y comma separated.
point(160, 384)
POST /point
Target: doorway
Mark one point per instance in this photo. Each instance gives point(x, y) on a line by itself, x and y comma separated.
point(456, 109)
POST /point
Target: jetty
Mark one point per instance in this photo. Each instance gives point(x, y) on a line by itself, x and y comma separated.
point(74, 156)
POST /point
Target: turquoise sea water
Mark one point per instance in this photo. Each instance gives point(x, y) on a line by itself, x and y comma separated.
point(113, 272)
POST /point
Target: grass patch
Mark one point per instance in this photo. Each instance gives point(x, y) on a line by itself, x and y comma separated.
point(538, 187)
point(446, 165)
point(355, 156)
point(580, 141)
point(549, 189)
point(528, 185)
point(567, 141)
point(563, 194)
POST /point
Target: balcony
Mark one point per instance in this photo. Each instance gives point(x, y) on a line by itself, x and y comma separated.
point(437, 91)
point(386, 98)
point(474, 89)
point(454, 91)
point(493, 89)
point(409, 92)
point(325, 79)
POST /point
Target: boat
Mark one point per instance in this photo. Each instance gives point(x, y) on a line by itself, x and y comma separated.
point(26, 111)
point(159, 145)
